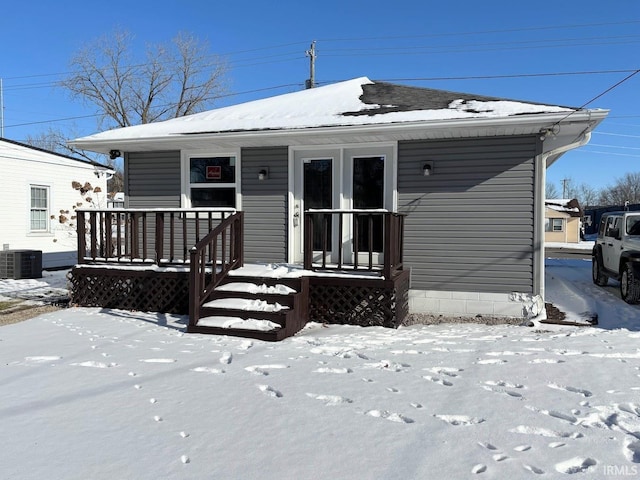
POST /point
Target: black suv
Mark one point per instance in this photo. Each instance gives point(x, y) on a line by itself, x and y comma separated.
point(616, 253)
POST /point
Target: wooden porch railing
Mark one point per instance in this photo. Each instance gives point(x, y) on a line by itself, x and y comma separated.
point(211, 259)
point(147, 236)
point(375, 234)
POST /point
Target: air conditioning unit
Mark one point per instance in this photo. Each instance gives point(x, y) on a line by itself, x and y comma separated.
point(18, 264)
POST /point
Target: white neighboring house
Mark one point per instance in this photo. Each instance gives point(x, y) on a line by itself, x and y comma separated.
point(36, 187)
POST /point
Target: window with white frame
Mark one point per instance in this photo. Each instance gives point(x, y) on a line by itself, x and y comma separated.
point(39, 209)
point(211, 180)
point(554, 224)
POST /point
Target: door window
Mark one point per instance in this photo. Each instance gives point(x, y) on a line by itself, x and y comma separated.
point(318, 194)
point(368, 193)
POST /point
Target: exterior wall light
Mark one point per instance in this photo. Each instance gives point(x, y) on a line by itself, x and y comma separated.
point(263, 174)
point(427, 169)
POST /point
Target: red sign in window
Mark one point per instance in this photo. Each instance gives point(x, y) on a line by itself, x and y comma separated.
point(214, 172)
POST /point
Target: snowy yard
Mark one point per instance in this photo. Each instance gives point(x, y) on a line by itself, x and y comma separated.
point(98, 394)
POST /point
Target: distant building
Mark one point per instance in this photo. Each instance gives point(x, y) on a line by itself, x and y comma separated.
point(36, 192)
point(592, 215)
point(562, 221)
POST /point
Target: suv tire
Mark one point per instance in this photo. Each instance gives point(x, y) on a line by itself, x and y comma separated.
point(629, 284)
point(599, 278)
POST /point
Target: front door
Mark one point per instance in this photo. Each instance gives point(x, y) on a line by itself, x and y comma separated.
point(359, 179)
point(316, 186)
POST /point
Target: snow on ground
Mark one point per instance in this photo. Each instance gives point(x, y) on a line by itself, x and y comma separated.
point(103, 394)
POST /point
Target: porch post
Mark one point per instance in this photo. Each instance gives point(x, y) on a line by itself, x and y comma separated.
point(389, 247)
point(159, 236)
point(81, 230)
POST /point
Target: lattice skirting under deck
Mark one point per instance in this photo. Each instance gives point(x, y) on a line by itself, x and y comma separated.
point(357, 301)
point(138, 290)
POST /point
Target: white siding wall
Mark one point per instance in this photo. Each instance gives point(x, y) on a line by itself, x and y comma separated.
point(22, 167)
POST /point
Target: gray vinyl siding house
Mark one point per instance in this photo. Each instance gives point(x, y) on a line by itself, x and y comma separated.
point(469, 177)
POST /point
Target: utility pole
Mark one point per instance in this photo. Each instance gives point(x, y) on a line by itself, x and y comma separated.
point(311, 53)
point(1, 110)
point(565, 181)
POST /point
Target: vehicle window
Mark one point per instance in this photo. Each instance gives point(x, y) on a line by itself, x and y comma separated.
point(633, 225)
point(603, 223)
point(611, 221)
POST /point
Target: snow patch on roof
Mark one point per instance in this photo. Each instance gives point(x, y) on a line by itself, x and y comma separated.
point(318, 107)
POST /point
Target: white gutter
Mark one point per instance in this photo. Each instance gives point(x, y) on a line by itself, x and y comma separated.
point(538, 231)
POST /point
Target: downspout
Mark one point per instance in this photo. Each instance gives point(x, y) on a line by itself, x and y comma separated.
point(538, 232)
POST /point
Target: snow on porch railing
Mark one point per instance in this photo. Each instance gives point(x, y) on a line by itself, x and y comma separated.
point(353, 239)
point(144, 236)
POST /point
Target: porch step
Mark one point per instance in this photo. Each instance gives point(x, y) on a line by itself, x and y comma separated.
point(262, 308)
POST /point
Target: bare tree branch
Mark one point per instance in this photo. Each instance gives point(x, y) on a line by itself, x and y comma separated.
point(172, 81)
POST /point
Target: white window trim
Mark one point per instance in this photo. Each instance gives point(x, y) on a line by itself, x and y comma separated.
point(185, 184)
point(47, 230)
point(368, 149)
point(553, 224)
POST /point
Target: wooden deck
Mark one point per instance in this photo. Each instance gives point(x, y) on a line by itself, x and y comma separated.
point(190, 262)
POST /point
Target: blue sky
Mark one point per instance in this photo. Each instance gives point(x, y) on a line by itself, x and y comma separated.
point(454, 45)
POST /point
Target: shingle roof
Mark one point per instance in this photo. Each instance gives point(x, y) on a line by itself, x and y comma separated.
point(390, 97)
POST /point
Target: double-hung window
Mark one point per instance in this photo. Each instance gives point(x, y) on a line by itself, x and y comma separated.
point(39, 210)
point(211, 180)
point(554, 225)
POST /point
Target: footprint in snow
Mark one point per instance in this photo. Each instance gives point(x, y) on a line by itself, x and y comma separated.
point(42, 359)
point(576, 465)
point(503, 391)
point(487, 445)
point(391, 416)
point(545, 432)
point(207, 370)
point(632, 450)
point(448, 371)
point(546, 360)
point(579, 391)
point(502, 383)
point(332, 370)
point(330, 400)
point(533, 469)
point(438, 380)
point(387, 365)
point(264, 369)
point(93, 364)
point(522, 448)
point(269, 391)
point(491, 361)
point(460, 420)
point(479, 468)
point(226, 358)
point(556, 444)
point(555, 414)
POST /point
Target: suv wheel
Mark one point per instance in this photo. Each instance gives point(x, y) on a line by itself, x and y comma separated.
point(629, 285)
point(599, 278)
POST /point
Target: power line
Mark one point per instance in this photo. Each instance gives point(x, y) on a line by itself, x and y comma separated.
point(617, 134)
point(514, 75)
point(484, 32)
point(95, 115)
point(492, 44)
point(612, 87)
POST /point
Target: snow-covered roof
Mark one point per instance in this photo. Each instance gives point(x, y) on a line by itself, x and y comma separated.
point(21, 151)
point(352, 103)
point(569, 206)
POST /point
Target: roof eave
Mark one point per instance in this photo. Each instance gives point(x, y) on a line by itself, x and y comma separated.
point(584, 120)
